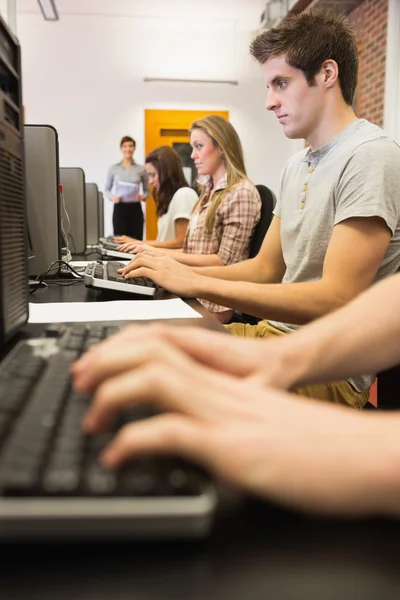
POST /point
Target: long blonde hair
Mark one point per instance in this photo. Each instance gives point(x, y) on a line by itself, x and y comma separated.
point(224, 136)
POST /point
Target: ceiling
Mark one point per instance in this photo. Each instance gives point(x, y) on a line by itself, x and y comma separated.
point(344, 5)
point(208, 8)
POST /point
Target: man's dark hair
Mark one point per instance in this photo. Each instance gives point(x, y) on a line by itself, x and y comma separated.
point(307, 40)
point(127, 138)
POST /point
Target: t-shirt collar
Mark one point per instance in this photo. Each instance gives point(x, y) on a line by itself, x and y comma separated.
point(314, 156)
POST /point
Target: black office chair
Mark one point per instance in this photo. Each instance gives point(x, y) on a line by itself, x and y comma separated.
point(389, 389)
point(267, 207)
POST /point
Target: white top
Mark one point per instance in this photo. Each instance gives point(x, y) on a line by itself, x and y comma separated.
point(181, 207)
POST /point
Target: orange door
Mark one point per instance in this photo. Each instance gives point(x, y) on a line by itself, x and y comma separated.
point(169, 128)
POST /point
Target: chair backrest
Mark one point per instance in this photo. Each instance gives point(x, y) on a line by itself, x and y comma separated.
point(389, 389)
point(267, 206)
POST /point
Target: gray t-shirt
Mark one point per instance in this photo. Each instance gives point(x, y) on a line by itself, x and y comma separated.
point(357, 174)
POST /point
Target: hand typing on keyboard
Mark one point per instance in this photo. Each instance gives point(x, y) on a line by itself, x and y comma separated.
point(166, 273)
point(262, 439)
point(138, 247)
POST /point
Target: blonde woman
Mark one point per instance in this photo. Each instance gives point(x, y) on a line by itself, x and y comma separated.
point(223, 220)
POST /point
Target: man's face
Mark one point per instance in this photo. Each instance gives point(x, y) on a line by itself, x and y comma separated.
point(297, 105)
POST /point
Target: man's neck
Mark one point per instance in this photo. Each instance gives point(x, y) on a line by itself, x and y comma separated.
point(333, 123)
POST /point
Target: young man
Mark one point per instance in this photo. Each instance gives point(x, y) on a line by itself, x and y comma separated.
point(336, 226)
point(221, 410)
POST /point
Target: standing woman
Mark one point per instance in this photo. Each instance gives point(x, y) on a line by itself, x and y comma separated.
point(174, 199)
point(122, 187)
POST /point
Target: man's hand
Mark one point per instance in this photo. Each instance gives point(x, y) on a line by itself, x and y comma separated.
point(165, 272)
point(264, 360)
point(115, 199)
point(299, 452)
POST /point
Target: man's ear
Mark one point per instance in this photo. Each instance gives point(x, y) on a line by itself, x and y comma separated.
point(330, 72)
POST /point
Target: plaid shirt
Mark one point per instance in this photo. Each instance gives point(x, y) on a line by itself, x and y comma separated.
point(234, 224)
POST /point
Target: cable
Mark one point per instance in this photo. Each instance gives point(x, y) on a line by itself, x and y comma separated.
point(62, 283)
point(65, 213)
point(40, 278)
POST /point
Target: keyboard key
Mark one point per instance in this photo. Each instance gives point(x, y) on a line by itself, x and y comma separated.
point(99, 481)
point(139, 482)
point(61, 480)
point(13, 393)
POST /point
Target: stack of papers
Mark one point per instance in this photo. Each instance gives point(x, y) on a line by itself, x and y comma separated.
point(128, 192)
point(118, 310)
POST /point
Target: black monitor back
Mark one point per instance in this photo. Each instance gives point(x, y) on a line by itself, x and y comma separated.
point(13, 230)
point(73, 183)
point(92, 214)
point(42, 191)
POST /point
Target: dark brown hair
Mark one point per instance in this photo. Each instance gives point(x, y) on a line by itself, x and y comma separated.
point(307, 40)
point(127, 138)
point(168, 165)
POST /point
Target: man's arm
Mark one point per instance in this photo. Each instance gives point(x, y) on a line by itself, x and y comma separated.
point(361, 337)
point(299, 452)
point(268, 266)
point(354, 254)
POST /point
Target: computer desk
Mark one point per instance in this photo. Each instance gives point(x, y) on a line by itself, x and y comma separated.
point(255, 551)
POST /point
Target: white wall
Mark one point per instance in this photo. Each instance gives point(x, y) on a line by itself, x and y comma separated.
point(84, 75)
point(392, 79)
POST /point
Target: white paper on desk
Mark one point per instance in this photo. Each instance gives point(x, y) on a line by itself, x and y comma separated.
point(128, 192)
point(118, 310)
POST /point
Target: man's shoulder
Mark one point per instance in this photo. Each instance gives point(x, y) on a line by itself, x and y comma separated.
point(368, 137)
point(379, 148)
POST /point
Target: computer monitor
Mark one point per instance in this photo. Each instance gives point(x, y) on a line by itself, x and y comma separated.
point(73, 184)
point(13, 231)
point(42, 195)
point(101, 215)
point(92, 214)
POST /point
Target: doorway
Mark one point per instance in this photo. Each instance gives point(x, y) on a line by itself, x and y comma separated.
point(170, 128)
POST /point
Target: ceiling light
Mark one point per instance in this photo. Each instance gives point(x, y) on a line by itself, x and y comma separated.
point(166, 80)
point(49, 10)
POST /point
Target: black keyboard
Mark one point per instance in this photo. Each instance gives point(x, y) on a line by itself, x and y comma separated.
point(44, 453)
point(105, 276)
